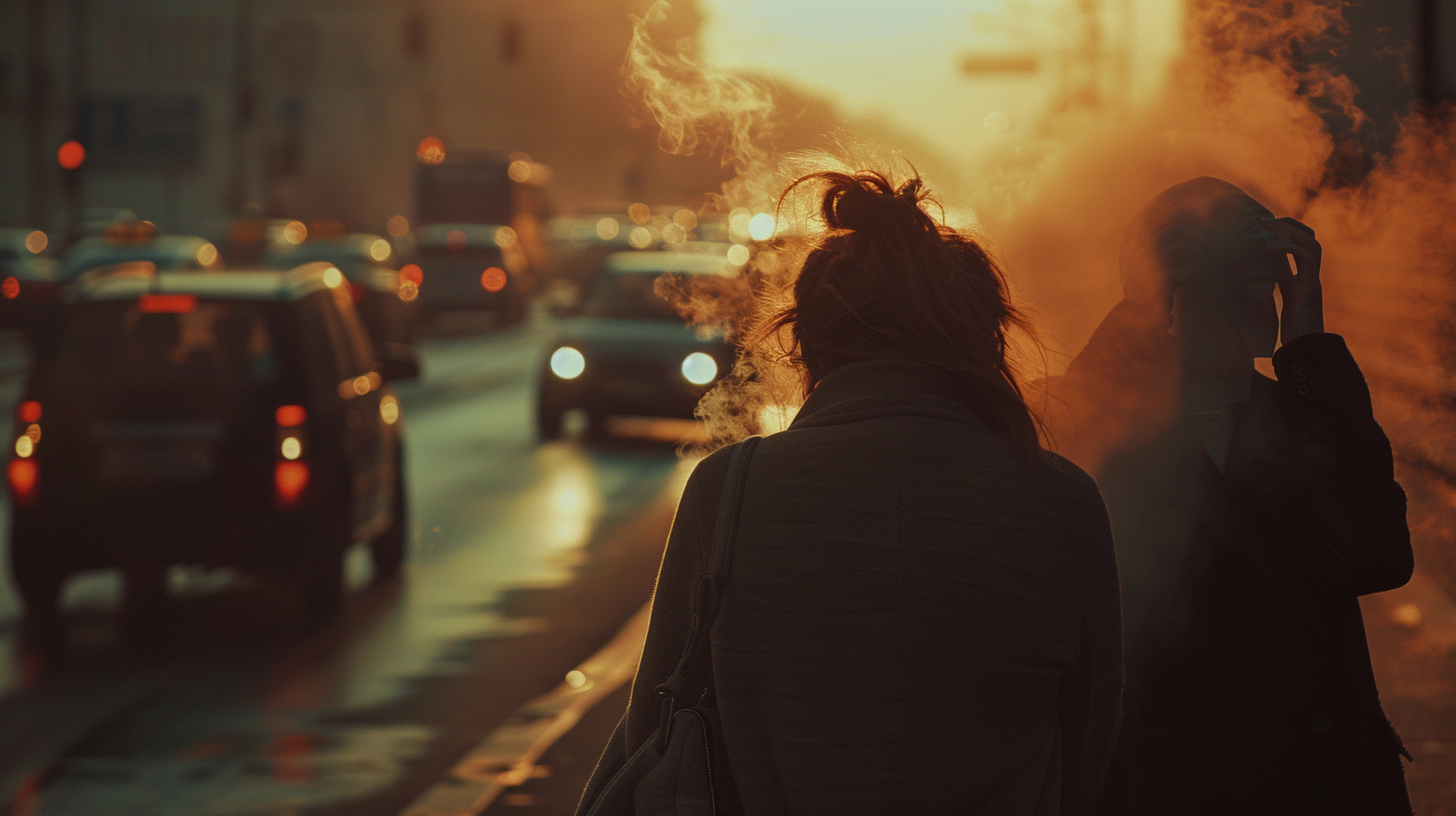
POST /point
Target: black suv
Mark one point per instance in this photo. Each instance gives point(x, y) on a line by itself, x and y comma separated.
point(226, 419)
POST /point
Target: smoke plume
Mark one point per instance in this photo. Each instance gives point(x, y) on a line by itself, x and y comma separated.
point(1243, 103)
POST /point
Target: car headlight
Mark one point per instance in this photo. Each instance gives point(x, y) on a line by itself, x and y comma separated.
point(699, 368)
point(567, 363)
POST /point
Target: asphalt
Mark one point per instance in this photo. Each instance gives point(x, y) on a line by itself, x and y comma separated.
point(525, 559)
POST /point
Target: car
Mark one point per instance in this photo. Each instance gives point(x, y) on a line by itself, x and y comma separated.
point(219, 419)
point(470, 267)
point(627, 352)
point(28, 277)
point(384, 297)
point(138, 241)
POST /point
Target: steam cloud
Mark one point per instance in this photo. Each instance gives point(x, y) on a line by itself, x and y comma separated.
point(1241, 104)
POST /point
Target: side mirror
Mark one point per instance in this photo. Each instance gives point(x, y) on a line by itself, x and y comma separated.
point(396, 368)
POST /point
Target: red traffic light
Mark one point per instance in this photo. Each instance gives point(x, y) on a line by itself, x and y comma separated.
point(71, 155)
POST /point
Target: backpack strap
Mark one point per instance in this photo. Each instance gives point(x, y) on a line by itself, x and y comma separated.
point(708, 596)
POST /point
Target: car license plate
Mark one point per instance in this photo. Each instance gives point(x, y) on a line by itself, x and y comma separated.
point(169, 462)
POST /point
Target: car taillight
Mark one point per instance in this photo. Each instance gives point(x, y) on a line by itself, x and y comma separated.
point(154, 303)
point(290, 473)
point(289, 481)
point(24, 475)
point(493, 279)
point(290, 416)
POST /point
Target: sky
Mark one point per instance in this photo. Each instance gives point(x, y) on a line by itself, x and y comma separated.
point(902, 61)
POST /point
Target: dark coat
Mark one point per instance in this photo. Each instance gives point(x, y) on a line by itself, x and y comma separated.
point(920, 618)
point(1249, 681)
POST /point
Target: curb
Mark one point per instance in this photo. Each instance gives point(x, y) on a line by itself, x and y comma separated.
point(507, 756)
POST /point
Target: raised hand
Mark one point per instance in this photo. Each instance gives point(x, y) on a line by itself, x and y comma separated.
point(1304, 311)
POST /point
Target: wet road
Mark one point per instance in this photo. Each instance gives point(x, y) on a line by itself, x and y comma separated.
point(525, 559)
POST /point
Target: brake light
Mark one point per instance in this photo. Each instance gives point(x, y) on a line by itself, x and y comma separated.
point(153, 303)
point(28, 411)
point(493, 279)
point(23, 475)
point(289, 481)
point(290, 416)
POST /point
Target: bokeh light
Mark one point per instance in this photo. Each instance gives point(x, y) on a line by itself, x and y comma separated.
point(567, 363)
point(639, 213)
point(333, 278)
point(505, 237)
point(294, 232)
point(290, 416)
point(687, 219)
point(455, 240)
point(10, 288)
point(71, 155)
point(738, 254)
point(493, 279)
point(430, 150)
point(738, 220)
point(761, 227)
point(412, 273)
point(389, 409)
point(397, 226)
point(607, 229)
point(699, 368)
point(36, 241)
point(519, 171)
point(207, 254)
point(640, 238)
point(291, 448)
point(379, 250)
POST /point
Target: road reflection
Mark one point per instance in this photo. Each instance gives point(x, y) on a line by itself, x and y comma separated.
point(230, 704)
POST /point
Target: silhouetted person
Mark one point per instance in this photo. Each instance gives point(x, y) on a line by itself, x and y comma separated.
point(1249, 516)
point(922, 613)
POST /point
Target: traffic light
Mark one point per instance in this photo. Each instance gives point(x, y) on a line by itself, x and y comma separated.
point(71, 155)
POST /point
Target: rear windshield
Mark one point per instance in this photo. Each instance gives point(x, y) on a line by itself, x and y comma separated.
point(115, 344)
point(628, 296)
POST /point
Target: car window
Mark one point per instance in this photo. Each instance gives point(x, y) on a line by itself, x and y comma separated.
point(323, 315)
point(627, 296)
point(105, 344)
point(352, 343)
point(354, 332)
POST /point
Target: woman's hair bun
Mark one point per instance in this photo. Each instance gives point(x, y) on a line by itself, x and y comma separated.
point(869, 202)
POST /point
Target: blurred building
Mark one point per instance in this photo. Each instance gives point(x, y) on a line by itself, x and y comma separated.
point(193, 110)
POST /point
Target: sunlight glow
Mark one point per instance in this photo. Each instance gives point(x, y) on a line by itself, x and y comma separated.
point(908, 68)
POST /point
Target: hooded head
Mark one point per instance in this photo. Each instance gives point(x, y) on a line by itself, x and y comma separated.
point(1197, 252)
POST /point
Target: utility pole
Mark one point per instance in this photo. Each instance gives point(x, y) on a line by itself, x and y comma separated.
point(73, 181)
point(39, 82)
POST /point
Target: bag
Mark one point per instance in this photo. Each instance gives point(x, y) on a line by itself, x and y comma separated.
point(683, 769)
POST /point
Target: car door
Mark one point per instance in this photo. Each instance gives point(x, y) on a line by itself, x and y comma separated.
point(357, 392)
point(364, 426)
